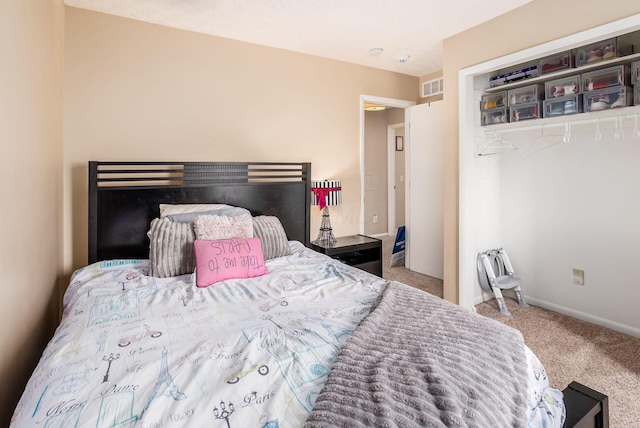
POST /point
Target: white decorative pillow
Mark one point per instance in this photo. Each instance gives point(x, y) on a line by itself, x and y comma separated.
point(169, 209)
point(272, 236)
point(213, 227)
point(170, 248)
point(191, 217)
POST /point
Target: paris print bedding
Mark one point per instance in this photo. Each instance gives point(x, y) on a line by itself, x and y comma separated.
point(134, 350)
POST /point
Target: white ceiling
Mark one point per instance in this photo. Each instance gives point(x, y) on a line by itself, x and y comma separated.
point(344, 30)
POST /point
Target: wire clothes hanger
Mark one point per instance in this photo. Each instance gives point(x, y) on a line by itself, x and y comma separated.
point(497, 146)
point(636, 130)
point(538, 144)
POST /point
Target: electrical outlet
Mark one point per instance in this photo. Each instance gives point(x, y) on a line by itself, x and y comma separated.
point(375, 218)
point(578, 276)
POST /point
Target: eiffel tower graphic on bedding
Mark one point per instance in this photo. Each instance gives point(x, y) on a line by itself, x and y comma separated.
point(164, 384)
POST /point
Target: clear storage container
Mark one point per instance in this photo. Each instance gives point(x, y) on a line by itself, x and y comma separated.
point(526, 111)
point(559, 61)
point(514, 76)
point(493, 117)
point(569, 85)
point(635, 72)
point(604, 99)
point(605, 78)
point(596, 52)
point(561, 106)
point(525, 94)
point(495, 100)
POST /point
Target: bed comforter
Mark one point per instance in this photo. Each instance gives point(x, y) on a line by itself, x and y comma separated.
point(419, 361)
point(138, 351)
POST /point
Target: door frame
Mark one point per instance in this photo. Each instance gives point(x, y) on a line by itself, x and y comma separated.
point(389, 102)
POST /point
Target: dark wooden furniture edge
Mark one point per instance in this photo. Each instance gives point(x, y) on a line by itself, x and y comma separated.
point(583, 404)
point(341, 252)
point(125, 196)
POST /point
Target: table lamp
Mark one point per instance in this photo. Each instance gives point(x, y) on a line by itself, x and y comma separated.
point(325, 193)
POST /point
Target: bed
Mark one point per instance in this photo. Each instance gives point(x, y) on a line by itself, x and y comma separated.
point(258, 331)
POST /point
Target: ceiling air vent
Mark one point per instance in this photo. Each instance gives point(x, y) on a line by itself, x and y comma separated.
point(432, 87)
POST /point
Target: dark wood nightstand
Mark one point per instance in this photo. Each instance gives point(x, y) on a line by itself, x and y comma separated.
point(359, 251)
point(586, 408)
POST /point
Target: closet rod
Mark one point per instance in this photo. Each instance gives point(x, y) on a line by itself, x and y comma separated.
point(497, 143)
point(595, 117)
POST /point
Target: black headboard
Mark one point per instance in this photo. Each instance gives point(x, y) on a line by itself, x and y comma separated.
point(125, 196)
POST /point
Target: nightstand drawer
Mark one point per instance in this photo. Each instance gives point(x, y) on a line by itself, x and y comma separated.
point(358, 251)
point(371, 267)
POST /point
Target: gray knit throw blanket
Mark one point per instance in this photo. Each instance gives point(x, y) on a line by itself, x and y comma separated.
point(419, 361)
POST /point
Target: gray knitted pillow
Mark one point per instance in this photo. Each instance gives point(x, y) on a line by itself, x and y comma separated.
point(272, 236)
point(171, 248)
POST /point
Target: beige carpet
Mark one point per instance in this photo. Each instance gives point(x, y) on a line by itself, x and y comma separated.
point(401, 274)
point(570, 349)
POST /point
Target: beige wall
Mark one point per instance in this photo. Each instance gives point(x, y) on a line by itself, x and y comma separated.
point(516, 30)
point(426, 78)
point(30, 173)
point(137, 91)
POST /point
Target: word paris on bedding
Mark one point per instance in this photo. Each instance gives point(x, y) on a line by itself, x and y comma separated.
point(202, 305)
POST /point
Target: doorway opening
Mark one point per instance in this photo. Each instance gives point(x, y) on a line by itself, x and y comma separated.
point(395, 177)
point(388, 102)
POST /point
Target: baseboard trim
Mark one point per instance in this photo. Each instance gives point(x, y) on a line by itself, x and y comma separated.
point(622, 328)
point(482, 298)
point(380, 235)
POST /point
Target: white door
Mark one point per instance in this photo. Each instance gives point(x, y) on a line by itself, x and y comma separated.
point(424, 246)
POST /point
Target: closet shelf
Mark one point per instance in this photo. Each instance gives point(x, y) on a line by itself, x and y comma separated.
point(627, 59)
point(588, 117)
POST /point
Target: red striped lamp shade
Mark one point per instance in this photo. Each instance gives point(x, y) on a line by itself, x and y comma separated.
point(326, 192)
